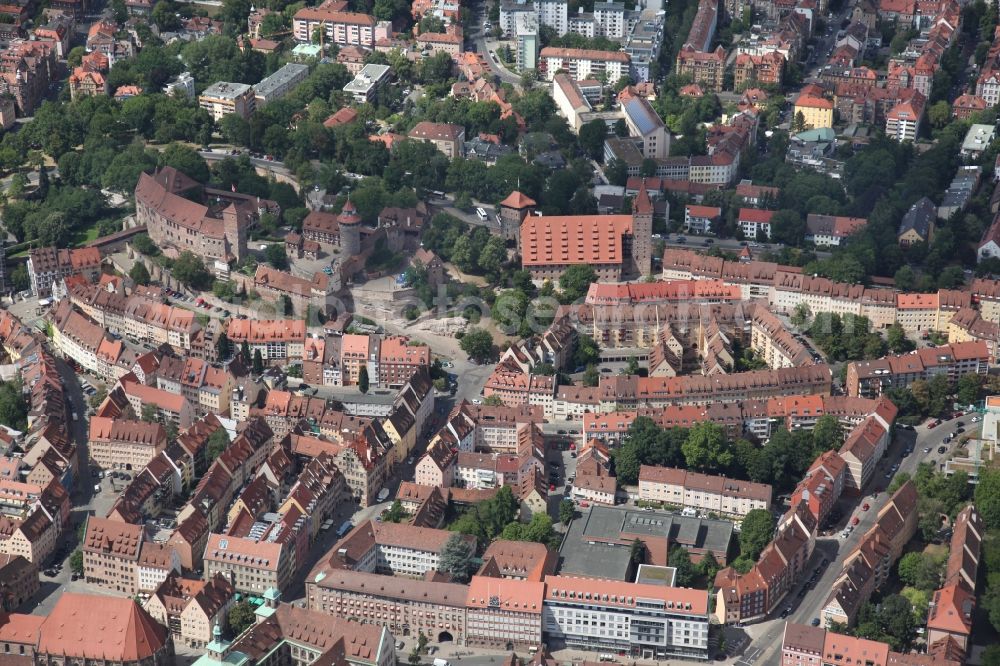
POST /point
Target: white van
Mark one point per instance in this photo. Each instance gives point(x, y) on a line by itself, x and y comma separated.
point(383, 495)
point(482, 214)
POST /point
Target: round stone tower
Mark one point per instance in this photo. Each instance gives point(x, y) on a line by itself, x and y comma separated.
point(350, 230)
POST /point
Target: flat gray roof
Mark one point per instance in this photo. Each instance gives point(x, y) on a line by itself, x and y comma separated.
point(598, 543)
point(289, 72)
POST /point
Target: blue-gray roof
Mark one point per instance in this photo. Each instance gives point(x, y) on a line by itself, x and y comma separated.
point(642, 115)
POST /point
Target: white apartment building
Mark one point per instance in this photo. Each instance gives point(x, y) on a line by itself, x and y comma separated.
point(609, 20)
point(641, 620)
point(717, 494)
point(584, 63)
point(553, 13)
point(398, 549)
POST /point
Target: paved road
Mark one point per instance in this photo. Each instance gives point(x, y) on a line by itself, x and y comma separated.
point(271, 165)
point(765, 649)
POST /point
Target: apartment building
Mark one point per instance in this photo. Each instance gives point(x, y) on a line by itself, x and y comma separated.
point(395, 549)
point(865, 445)
point(706, 68)
point(515, 387)
point(276, 339)
point(639, 619)
point(253, 566)
point(400, 359)
point(339, 27)
point(867, 567)
point(286, 633)
point(755, 223)
point(644, 123)
point(501, 612)
point(49, 265)
point(802, 645)
point(435, 609)
point(953, 604)
point(279, 84)
point(774, 343)
point(716, 494)
point(124, 443)
point(33, 536)
point(751, 596)
point(872, 378)
point(448, 138)
point(222, 98)
point(831, 230)
point(111, 552)
point(584, 64)
point(191, 609)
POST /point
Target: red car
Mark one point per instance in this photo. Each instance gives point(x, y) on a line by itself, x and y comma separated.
point(572, 447)
point(584, 504)
point(855, 520)
point(866, 506)
point(933, 424)
point(552, 487)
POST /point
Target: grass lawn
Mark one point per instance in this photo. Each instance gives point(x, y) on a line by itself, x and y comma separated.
point(84, 236)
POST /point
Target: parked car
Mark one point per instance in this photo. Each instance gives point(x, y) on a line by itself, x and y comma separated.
point(942, 449)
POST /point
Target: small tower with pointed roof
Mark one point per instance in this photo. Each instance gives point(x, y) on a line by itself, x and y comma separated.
point(350, 230)
point(513, 210)
point(642, 232)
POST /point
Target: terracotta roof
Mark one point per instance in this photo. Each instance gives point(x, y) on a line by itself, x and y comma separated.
point(121, 632)
point(574, 239)
point(517, 596)
point(583, 54)
point(517, 200)
point(110, 537)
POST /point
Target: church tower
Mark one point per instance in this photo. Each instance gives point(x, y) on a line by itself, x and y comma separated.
point(642, 232)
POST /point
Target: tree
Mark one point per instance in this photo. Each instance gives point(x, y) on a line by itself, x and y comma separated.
point(190, 270)
point(286, 305)
point(708, 567)
point(575, 281)
point(149, 413)
point(592, 135)
point(827, 433)
point(637, 552)
point(680, 559)
point(898, 342)
point(216, 444)
point(969, 388)
point(76, 562)
point(258, 362)
point(223, 347)
point(138, 273)
point(186, 160)
point(905, 278)
point(591, 376)
point(756, 531)
point(988, 497)
point(241, 617)
point(363, 381)
point(143, 243)
point(13, 406)
point(566, 511)
point(276, 256)
point(395, 513)
point(939, 114)
point(245, 353)
point(587, 351)
point(706, 448)
point(920, 570)
point(457, 558)
point(801, 314)
point(478, 344)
